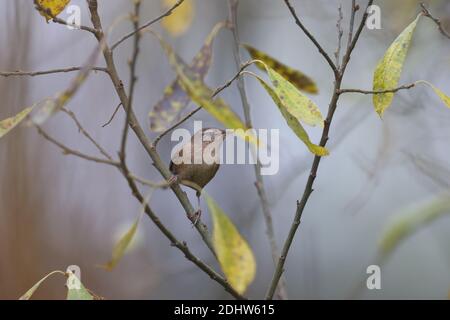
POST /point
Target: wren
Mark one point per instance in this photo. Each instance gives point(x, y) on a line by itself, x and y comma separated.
point(197, 161)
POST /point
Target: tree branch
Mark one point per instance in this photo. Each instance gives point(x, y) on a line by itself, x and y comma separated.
point(86, 134)
point(46, 72)
point(146, 25)
point(259, 184)
point(67, 150)
point(301, 204)
point(427, 13)
point(311, 37)
point(404, 87)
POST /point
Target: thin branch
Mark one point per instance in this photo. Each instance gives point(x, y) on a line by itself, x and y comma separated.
point(427, 13)
point(46, 72)
point(112, 116)
point(197, 109)
point(133, 78)
point(86, 134)
point(355, 8)
point(404, 87)
point(259, 184)
point(311, 37)
point(340, 32)
point(69, 151)
point(158, 163)
point(350, 49)
point(301, 204)
point(146, 25)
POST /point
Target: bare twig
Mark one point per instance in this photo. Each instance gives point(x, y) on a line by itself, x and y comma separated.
point(427, 13)
point(301, 204)
point(355, 8)
point(233, 7)
point(67, 150)
point(85, 133)
point(46, 72)
point(146, 25)
point(340, 32)
point(133, 78)
point(112, 116)
point(404, 87)
point(311, 37)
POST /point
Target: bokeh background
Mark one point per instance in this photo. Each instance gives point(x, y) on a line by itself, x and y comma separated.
point(58, 210)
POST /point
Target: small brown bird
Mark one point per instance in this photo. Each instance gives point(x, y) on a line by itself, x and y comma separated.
point(197, 162)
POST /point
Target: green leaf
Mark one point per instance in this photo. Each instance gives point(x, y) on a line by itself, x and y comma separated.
point(201, 94)
point(388, 71)
point(175, 99)
point(76, 290)
point(405, 224)
point(233, 252)
point(292, 121)
point(299, 80)
point(33, 289)
point(8, 124)
point(296, 103)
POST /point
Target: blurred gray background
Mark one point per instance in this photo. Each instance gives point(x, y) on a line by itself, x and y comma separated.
point(58, 210)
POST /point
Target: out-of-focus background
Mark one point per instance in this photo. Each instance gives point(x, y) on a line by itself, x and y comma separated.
point(58, 210)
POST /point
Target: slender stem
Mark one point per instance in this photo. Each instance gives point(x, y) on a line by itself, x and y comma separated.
point(427, 13)
point(311, 37)
point(301, 204)
point(133, 78)
point(86, 134)
point(46, 72)
point(355, 8)
point(233, 7)
point(147, 24)
point(404, 87)
point(67, 150)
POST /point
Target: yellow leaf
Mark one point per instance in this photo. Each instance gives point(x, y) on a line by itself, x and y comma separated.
point(388, 71)
point(296, 103)
point(233, 252)
point(53, 6)
point(201, 94)
point(27, 295)
point(292, 121)
point(408, 222)
point(298, 79)
point(124, 242)
point(8, 124)
point(445, 99)
point(181, 18)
